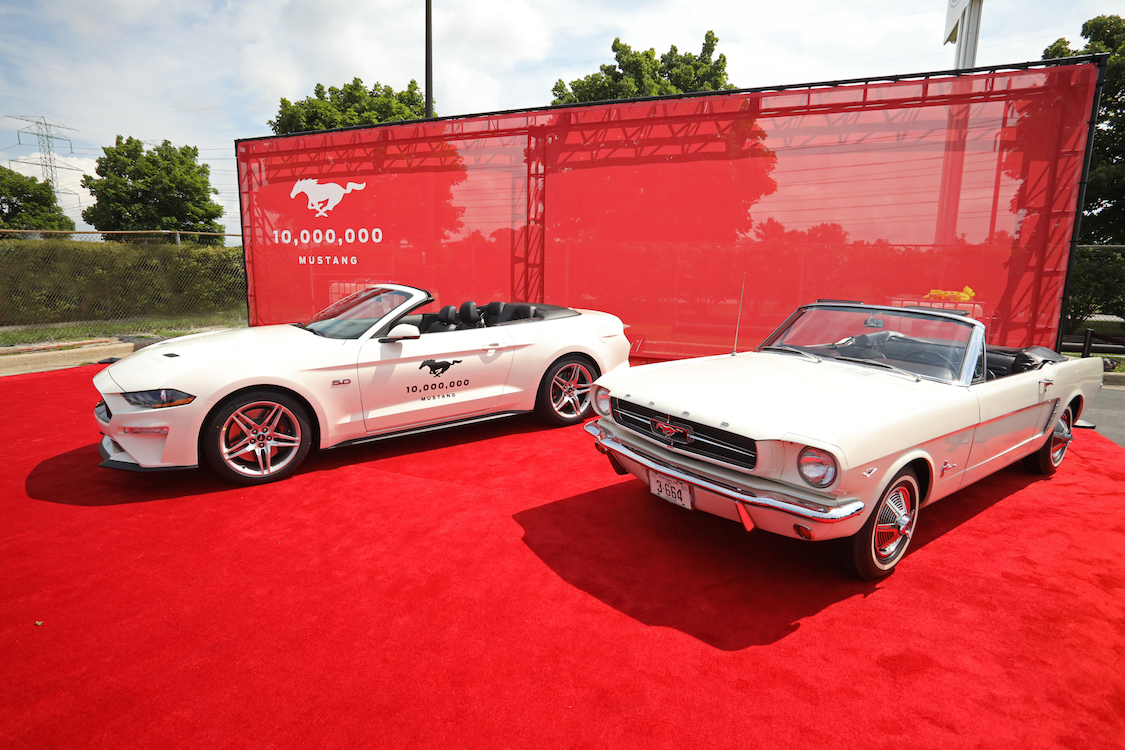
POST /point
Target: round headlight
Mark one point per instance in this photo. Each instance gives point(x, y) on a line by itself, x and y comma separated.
point(601, 400)
point(817, 467)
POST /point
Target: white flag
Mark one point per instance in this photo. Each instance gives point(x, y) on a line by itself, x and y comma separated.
point(952, 19)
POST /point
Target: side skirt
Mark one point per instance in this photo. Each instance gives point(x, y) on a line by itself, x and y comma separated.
point(427, 428)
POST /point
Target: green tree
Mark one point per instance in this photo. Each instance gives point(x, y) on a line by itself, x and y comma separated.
point(353, 104)
point(639, 74)
point(1103, 220)
point(26, 203)
point(161, 188)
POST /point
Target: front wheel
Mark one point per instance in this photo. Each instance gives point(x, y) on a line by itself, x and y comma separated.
point(258, 437)
point(1047, 459)
point(564, 392)
point(873, 552)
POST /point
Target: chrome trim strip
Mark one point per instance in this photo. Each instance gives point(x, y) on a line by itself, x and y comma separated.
point(779, 502)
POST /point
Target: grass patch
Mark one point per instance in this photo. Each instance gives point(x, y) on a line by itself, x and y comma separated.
point(156, 326)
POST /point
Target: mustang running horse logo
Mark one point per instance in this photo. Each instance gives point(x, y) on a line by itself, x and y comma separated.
point(323, 198)
point(437, 369)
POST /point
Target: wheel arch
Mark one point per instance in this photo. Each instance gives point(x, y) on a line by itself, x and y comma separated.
point(310, 409)
point(922, 465)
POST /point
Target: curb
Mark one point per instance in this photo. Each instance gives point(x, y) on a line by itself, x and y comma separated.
point(43, 361)
point(1113, 378)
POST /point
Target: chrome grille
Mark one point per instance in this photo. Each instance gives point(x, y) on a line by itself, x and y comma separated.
point(685, 435)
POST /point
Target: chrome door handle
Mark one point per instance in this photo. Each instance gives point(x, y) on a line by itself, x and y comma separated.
point(490, 347)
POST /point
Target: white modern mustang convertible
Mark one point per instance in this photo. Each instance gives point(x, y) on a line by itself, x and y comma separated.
point(252, 402)
point(843, 424)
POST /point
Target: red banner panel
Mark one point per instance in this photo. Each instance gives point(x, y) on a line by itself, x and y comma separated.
point(948, 191)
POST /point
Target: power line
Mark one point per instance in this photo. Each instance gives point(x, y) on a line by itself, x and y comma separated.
point(46, 133)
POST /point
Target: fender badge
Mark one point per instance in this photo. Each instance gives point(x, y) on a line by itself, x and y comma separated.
point(870, 471)
point(341, 382)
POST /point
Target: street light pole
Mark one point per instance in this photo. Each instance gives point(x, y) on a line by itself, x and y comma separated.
point(429, 63)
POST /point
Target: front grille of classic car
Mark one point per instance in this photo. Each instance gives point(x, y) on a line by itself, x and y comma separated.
point(688, 436)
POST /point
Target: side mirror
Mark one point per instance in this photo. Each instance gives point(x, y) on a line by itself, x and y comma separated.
point(401, 332)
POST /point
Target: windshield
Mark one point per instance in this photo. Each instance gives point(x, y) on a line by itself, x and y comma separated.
point(350, 317)
point(918, 343)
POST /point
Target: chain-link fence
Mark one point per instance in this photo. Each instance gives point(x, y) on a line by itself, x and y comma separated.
point(135, 284)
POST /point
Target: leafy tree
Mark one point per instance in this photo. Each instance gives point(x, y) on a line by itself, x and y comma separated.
point(161, 188)
point(1097, 285)
point(639, 74)
point(26, 203)
point(1103, 220)
point(353, 104)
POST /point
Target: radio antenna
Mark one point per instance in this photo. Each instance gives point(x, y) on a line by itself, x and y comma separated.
point(738, 320)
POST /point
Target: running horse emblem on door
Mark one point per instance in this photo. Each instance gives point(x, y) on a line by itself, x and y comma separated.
point(437, 369)
point(323, 197)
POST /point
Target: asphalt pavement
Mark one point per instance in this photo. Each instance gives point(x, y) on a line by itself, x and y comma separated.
point(1108, 413)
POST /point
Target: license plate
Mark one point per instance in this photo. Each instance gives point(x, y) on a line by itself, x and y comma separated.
point(672, 490)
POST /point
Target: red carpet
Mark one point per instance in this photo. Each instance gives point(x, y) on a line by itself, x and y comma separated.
point(501, 587)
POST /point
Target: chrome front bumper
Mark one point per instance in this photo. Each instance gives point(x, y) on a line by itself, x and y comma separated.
point(766, 499)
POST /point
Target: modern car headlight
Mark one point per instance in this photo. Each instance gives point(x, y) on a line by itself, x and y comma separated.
point(601, 400)
point(817, 467)
point(161, 398)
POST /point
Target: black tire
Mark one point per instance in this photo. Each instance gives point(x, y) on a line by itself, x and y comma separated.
point(1047, 459)
point(873, 552)
point(257, 437)
point(564, 396)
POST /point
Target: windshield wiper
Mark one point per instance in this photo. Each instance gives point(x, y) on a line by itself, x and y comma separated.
point(790, 350)
point(306, 328)
point(881, 363)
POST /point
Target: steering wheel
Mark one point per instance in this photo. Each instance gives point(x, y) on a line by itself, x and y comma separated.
point(925, 357)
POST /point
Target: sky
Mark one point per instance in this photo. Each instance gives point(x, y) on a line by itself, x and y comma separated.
point(207, 72)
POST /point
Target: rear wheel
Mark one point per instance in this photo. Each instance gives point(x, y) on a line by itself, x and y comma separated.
point(564, 393)
point(258, 437)
point(874, 551)
point(1047, 459)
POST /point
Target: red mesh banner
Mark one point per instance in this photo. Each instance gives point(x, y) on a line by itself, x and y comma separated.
point(953, 192)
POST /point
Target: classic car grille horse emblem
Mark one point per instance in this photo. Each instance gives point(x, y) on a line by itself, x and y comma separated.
point(437, 369)
point(323, 198)
point(672, 432)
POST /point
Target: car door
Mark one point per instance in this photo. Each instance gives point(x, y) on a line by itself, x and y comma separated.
point(434, 378)
point(1013, 411)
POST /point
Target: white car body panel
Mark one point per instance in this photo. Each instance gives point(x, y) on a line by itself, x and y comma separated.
point(356, 388)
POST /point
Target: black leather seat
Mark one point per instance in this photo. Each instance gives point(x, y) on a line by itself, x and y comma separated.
point(518, 311)
point(492, 313)
point(446, 320)
point(469, 316)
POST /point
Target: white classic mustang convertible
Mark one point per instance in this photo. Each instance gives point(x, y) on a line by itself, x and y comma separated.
point(843, 424)
point(254, 401)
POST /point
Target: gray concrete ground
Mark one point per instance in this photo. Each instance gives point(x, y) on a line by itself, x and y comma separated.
point(1108, 413)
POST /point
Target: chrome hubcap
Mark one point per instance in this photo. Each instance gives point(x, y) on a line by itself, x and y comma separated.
point(895, 524)
point(1061, 438)
point(260, 439)
point(570, 390)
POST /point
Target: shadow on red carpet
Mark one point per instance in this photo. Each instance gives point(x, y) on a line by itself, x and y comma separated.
point(703, 575)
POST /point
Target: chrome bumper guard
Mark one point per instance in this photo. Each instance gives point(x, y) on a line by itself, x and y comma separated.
point(794, 506)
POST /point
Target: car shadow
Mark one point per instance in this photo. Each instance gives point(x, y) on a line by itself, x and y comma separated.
point(74, 477)
point(705, 576)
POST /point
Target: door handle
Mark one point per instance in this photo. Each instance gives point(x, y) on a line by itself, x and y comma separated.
point(490, 347)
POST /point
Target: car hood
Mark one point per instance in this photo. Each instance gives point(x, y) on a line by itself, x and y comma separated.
point(769, 396)
point(154, 366)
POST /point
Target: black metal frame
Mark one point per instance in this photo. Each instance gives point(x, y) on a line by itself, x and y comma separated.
point(1103, 62)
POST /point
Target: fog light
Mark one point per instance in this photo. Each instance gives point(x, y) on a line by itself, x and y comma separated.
point(804, 532)
point(145, 430)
